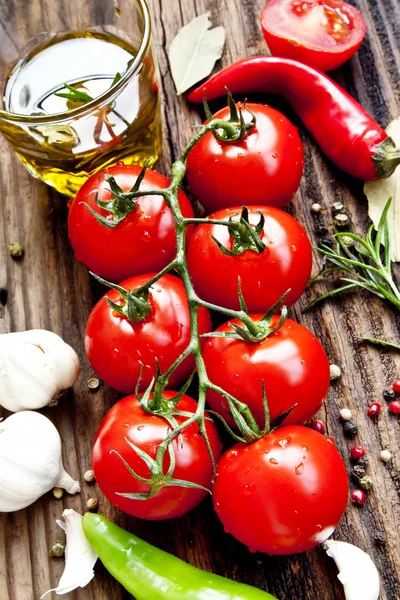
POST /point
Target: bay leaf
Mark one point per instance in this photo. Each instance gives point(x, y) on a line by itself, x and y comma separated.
point(57, 134)
point(194, 52)
point(378, 193)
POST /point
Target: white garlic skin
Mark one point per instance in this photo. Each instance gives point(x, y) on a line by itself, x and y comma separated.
point(30, 461)
point(35, 367)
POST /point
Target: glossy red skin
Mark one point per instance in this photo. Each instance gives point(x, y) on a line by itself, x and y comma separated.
point(143, 242)
point(345, 132)
point(264, 168)
point(127, 419)
point(285, 506)
point(289, 33)
point(285, 263)
point(291, 362)
point(116, 348)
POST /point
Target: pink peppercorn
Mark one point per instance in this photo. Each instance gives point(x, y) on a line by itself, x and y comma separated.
point(374, 410)
point(318, 426)
point(394, 407)
point(396, 386)
point(358, 497)
point(357, 452)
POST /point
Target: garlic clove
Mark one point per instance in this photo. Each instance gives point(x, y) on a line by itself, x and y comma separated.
point(30, 460)
point(357, 572)
point(35, 367)
point(80, 557)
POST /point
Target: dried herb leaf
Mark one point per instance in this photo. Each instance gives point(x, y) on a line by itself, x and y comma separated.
point(378, 193)
point(57, 134)
point(194, 52)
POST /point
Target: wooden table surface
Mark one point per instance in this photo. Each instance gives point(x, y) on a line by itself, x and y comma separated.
point(49, 289)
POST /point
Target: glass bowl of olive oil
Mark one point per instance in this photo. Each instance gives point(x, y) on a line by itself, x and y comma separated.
point(84, 93)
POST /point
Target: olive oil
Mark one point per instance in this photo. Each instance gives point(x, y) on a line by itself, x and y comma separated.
point(73, 141)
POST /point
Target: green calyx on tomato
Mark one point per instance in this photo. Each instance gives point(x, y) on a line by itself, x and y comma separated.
point(255, 331)
point(236, 119)
point(120, 205)
point(244, 236)
point(135, 304)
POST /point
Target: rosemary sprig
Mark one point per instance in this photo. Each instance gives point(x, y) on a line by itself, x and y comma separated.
point(366, 263)
point(75, 95)
point(379, 342)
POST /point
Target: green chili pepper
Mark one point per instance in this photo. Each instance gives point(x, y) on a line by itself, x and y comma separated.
point(152, 574)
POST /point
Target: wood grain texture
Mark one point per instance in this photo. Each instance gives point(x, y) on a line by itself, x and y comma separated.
point(49, 289)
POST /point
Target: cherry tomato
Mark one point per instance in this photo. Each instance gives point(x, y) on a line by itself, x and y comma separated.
point(284, 263)
point(118, 349)
point(321, 33)
point(126, 420)
point(143, 242)
point(283, 494)
point(291, 362)
point(264, 168)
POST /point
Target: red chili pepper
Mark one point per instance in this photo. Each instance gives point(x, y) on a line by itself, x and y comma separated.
point(346, 133)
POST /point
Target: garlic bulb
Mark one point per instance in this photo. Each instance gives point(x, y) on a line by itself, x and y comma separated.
point(30, 460)
point(80, 557)
point(357, 572)
point(35, 367)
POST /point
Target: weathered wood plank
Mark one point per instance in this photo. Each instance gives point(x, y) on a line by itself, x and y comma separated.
point(49, 289)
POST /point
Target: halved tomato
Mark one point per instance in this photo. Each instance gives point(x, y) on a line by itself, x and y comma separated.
point(320, 33)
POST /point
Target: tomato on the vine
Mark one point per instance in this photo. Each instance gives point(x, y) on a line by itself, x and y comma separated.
point(127, 422)
point(264, 275)
point(291, 362)
point(263, 168)
point(321, 33)
point(121, 352)
point(283, 494)
point(142, 242)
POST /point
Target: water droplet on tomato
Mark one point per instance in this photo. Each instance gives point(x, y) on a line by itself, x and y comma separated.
point(305, 449)
point(274, 155)
point(273, 461)
point(246, 471)
point(141, 427)
point(319, 527)
point(248, 489)
point(120, 163)
point(304, 457)
point(294, 248)
point(302, 362)
point(252, 550)
point(232, 454)
point(266, 451)
point(125, 425)
point(226, 530)
point(299, 469)
point(284, 441)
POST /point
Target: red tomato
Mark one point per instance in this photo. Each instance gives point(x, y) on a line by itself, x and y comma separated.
point(117, 349)
point(285, 262)
point(127, 419)
point(143, 242)
point(321, 33)
point(283, 494)
point(291, 362)
point(264, 168)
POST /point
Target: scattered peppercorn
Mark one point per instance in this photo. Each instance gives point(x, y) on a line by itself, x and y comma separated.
point(366, 482)
point(345, 414)
point(327, 241)
point(89, 476)
point(338, 207)
point(374, 410)
point(16, 249)
point(58, 550)
point(396, 386)
point(358, 497)
point(389, 394)
point(341, 220)
point(379, 538)
point(385, 456)
point(357, 452)
point(316, 208)
point(350, 428)
point(318, 426)
point(92, 504)
point(347, 240)
point(394, 407)
point(358, 471)
point(363, 461)
point(335, 372)
point(93, 383)
point(58, 492)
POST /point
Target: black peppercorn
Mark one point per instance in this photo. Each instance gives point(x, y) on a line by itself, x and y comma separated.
point(379, 538)
point(363, 461)
point(389, 395)
point(358, 472)
point(350, 428)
